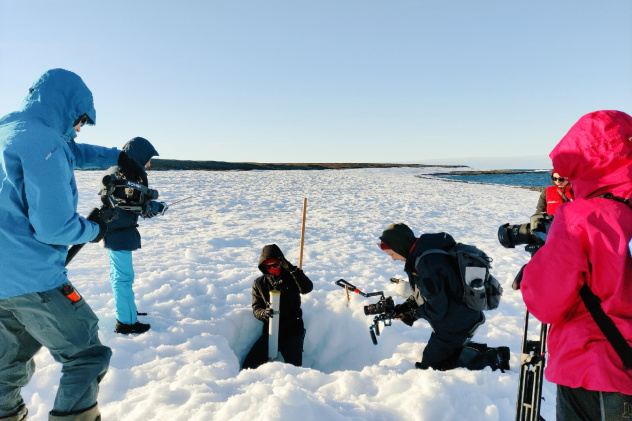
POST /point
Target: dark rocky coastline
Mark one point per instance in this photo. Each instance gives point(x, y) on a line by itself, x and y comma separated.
point(173, 164)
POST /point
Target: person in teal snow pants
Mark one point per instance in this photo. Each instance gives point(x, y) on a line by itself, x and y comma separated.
point(122, 238)
point(39, 307)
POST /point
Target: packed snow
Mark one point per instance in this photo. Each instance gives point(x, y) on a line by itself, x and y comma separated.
point(194, 275)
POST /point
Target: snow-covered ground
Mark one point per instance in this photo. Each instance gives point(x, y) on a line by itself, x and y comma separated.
point(194, 276)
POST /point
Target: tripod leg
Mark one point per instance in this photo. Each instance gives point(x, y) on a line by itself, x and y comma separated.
point(532, 361)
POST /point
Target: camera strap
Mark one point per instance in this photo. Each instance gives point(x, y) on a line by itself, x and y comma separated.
point(607, 326)
point(604, 322)
point(611, 196)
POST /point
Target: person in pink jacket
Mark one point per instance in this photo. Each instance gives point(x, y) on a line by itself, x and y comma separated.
point(588, 243)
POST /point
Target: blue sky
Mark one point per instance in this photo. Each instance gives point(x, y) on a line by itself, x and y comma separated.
point(487, 83)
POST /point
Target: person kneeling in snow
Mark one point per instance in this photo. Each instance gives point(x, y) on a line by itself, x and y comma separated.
point(436, 286)
point(280, 275)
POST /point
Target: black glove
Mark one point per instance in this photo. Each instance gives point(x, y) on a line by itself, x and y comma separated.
point(152, 209)
point(287, 265)
point(518, 279)
point(269, 312)
point(96, 216)
point(405, 312)
point(406, 308)
point(131, 169)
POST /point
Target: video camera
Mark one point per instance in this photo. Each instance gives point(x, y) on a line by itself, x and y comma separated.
point(117, 192)
point(383, 309)
point(385, 305)
point(533, 234)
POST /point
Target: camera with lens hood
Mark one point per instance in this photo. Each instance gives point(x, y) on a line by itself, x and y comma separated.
point(533, 234)
point(385, 305)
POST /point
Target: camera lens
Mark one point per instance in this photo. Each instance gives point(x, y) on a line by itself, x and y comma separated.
point(371, 309)
point(511, 235)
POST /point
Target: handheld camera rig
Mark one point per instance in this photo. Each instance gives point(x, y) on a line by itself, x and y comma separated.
point(117, 192)
point(533, 352)
point(383, 309)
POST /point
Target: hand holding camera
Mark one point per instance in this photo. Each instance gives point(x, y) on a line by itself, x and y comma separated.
point(405, 312)
point(98, 217)
point(153, 208)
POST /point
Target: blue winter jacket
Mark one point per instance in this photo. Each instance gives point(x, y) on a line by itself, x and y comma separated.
point(38, 192)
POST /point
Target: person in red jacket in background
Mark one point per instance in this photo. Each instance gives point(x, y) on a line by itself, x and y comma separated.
point(554, 196)
point(592, 234)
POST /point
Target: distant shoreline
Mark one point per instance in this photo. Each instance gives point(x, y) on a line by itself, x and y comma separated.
point(184, 165)
point(173, 164)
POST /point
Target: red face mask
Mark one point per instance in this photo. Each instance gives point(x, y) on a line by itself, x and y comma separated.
point(273, 266)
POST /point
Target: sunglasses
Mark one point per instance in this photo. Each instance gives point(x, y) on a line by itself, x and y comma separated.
point(382, 245)
point(273, 265)
point(561, 179)
point(81, 121)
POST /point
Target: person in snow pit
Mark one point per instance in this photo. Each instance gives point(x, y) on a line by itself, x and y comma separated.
point(39, 307)
point(279, 275)
point(123, 237)
point(436, 287)
point(586, 254)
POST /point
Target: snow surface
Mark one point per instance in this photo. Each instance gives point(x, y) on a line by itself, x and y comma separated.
point(194, 276)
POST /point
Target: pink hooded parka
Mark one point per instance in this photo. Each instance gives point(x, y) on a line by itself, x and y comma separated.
point(587, 242)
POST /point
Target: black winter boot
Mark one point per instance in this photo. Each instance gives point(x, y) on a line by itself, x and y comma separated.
point(502, 359)
point(126, 329)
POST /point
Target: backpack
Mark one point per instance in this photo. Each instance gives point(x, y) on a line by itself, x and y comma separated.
point(481, 291)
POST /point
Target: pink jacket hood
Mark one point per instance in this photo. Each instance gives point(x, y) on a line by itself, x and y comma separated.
point(596, 154)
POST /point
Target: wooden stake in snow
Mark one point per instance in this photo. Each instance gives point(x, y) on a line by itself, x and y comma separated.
point(300, 257)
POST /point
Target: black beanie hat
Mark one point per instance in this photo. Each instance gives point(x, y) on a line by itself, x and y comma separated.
point(399, 238)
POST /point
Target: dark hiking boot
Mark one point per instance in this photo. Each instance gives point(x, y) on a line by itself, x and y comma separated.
point(502, 359)
point(126, 329)
point(18, 416)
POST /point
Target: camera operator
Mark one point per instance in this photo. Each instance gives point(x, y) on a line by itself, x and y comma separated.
point(123, 238)
point(38, 221)
point(588, 244)
point(437, 290)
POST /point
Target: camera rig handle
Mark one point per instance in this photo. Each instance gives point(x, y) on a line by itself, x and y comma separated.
point(344, 284)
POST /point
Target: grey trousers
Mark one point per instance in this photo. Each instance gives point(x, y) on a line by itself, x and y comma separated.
point(586, 405)
point(70, 332)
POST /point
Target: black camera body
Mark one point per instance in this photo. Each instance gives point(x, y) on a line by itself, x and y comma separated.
point(119, 192)
point(532, 234)
point(385, 305)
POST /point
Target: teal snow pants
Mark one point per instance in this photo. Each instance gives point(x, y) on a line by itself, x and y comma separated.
point(70, 332)
point(122, 280)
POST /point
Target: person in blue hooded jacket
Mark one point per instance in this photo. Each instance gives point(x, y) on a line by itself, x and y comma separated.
point(123, 237)
point(38, 221)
